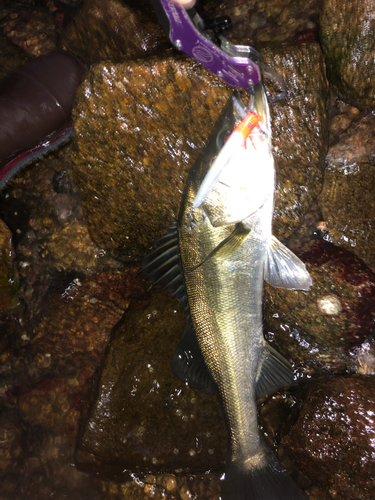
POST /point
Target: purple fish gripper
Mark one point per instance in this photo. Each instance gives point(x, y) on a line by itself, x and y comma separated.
point(237, 65)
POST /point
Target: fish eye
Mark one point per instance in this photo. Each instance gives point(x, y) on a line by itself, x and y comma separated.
point(222, 138)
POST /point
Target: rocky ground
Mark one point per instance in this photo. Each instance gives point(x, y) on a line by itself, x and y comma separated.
point(89, 407)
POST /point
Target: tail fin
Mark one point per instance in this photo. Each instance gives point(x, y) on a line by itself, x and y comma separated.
point(268, 483)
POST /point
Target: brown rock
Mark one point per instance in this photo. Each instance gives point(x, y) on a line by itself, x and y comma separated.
point(10, 56)
point(365, 359)
point(139, 127)
point(72, 332)
point(52, 404)
point(144, 419)
point(30, 27)
point(323, 328)
point(269, 20)
point(75, 328)
point(332, 440)
point(348, 44)
point(114, 31)
point(53, 246)
point(48, 470)
point(11, 453)
point(343, 118)
point(9, 293)
point(347, 200)
point(299, 132)
point(165, 487)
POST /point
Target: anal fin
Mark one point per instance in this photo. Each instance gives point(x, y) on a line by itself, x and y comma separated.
point(275, 372)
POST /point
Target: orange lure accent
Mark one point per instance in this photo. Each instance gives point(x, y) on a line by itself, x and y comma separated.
point(247, 125)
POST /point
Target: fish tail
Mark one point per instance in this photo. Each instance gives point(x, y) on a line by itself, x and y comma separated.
point(269, 482)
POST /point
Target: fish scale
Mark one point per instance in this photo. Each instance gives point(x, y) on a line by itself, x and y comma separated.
point(225, 289)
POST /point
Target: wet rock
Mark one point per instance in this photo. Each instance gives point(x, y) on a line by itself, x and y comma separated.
point(9, 293)
point(311, 227)
point(365, 358)
point(75, 328)
point(113, 31)
point(11, 452)
point(343, 117)
point(347, 35)
point(323, 328)
point(11, 305)
point(48, 471)
point(269, 21)
point(165, 487)
point(332, 439)
point(143, 419)
point(54, 404)
point(10, 56)
point(140, 126)
point(299, 132)
point(71, 334)
point(272, 414)
point(355, 142)
point(29, 26)
point(51, 239)
point(347, 200)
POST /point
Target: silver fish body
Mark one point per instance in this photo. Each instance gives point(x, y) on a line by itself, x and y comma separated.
point(227, 250)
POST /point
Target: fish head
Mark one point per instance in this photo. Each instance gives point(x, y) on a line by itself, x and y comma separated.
point(245, 183)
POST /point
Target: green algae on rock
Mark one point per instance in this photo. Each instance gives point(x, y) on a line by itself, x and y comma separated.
point(143, 419)
point(139, 127)
point(331, 436)
point(318, 329)
point(348, 41)
point(299, 132)
point(113, 30)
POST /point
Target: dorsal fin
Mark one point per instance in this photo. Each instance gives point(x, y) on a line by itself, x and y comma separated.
point(163, 266)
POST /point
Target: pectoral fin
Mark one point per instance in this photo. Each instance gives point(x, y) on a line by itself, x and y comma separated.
point(283, 269)
point(229, 245)
point(275, 372)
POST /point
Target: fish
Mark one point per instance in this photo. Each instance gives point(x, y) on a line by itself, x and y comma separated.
point(214, 260)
